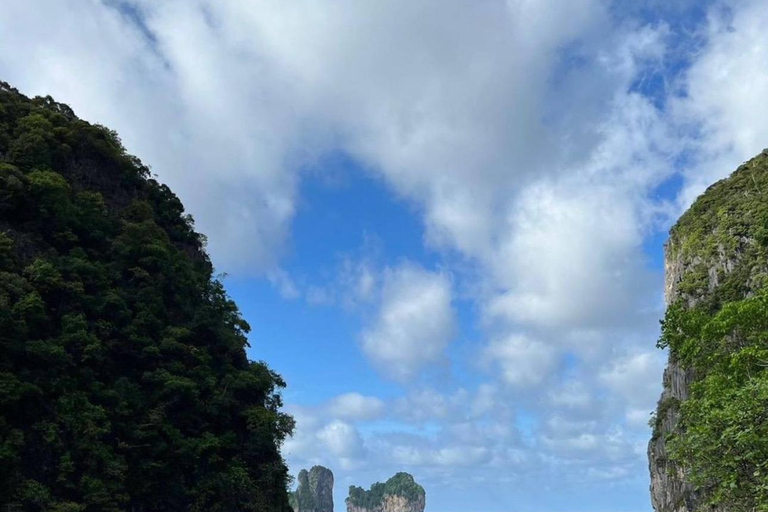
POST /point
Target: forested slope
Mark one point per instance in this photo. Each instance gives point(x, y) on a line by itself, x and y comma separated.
point(124, 382)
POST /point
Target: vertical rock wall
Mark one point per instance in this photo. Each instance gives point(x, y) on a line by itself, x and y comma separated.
point(315, 491)
point(669, 490)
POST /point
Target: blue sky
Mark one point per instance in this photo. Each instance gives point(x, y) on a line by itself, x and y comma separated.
point(443, 219)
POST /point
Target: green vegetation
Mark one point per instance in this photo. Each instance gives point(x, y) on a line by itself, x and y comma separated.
point(719, 330)
point(402, 484)
point(124, 383)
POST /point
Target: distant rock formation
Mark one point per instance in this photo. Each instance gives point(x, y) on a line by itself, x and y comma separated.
point(315, 491)
point(400, 493)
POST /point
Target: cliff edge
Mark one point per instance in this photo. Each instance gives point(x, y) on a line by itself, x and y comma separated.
point(708, 448)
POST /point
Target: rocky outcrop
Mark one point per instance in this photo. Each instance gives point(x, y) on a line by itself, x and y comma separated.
point(714, 255)
point(670, 492)
point(400, 493)
point(315, 491)
point(392, 503)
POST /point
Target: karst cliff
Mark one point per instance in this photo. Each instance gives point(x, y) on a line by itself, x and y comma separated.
point(314, 492)
point(400, 493)
point(709, 450)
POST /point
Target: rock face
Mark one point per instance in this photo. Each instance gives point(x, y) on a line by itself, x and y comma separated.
point(315, 491)
point(669, 490)
point(701, 265)
point(392, 503)
point(400, 493)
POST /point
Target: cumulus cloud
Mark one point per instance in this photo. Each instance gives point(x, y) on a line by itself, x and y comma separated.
point(429, 405)
point(354, 406)
point(723, 94)
point(520, 132)
point(572, 395)
point(342, 439)
point(320, 439)
point(181, 97)
point(521, 361)
point(414, 323)
point(635, 378)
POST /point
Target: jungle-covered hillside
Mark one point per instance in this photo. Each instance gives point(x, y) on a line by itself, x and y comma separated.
point(124, 381)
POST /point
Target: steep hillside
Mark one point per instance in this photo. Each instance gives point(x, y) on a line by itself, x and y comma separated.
point(709, 449)
point(124, 383)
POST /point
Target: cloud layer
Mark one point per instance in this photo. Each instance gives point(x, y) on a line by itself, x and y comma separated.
point(542, 145)
point(414, 324)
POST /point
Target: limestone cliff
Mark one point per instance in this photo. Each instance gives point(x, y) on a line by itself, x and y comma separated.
point(315, 491)
point(670, 492)
point(716, 255)
point(392, 503)
point(400, 493)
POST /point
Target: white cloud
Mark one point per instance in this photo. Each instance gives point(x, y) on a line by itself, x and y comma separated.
point(517, 130)
point(573, 395)
point(354, 406)
point(284, 284)
point(320, 439)
point(342, 439)
point(634, 377)
point(521, 361)
point(303, 444)
point(414, 324)
point(570, 255)
point(725, 95)
point(188, 103)
point(429, 405)
point(448, 456)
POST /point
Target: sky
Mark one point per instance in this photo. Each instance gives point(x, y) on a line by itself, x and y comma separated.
point(444, 219)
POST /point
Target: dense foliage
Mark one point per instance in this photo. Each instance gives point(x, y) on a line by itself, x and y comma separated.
point(402, 484)
point(124, 383)
point(718, 329)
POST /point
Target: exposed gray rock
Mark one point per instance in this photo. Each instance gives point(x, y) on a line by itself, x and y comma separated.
point(670, 490)
point(315, 491)
point(393, 503)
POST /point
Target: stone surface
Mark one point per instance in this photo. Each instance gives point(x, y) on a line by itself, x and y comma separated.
point(670, 490)
point(391, 503)
point(315, 491)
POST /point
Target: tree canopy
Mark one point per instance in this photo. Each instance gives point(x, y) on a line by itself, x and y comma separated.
point(124, 381)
